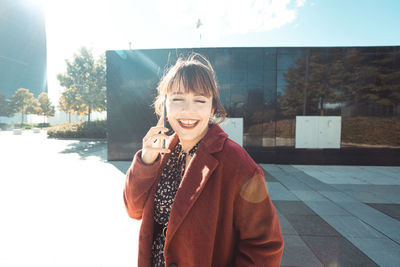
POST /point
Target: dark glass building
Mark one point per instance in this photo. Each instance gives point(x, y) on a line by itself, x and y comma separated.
point(22, 47)
point(269, 87)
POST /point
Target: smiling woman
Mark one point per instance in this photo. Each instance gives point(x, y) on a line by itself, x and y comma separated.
point(203, 200)
point(192, 99)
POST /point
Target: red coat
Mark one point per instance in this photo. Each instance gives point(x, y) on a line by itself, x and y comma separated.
point(222, 214)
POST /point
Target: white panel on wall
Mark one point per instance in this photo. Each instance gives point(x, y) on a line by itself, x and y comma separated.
point(318, 131)
point(306, 132)
point(234, 128)
point(329, 131)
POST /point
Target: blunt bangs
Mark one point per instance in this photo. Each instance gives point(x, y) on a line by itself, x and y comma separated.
point(193, 79)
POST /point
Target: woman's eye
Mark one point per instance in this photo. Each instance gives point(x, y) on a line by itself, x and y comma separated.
point(200, 101)
point(177, 99)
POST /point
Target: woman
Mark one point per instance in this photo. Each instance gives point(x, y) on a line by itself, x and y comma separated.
point(202, 199)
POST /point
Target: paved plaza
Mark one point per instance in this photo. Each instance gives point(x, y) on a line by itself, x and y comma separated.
point(337, 215)
point(61, 205)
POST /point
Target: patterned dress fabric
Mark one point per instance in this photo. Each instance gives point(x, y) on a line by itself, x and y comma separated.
point(164, 197)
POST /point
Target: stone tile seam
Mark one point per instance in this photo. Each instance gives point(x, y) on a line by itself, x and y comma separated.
point(356, 216)
point(338, 203)
point(317, 180)
point(363, 249)
point(341, 234)
point(366, 221)
point(378, 171)
point(383, 236)
point(304, 242)
point(333, 190)
point(312, 251)
point(334, 202)
point(284, 184)
point(279, 181)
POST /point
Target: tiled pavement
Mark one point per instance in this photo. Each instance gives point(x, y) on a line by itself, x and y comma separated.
point(337, 215)
point(61, 205)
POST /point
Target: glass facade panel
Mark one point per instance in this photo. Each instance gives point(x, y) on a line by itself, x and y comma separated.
point(268, 88)
point(269, 114)
point(370, 114)
point(290, 88)
point(269, 61)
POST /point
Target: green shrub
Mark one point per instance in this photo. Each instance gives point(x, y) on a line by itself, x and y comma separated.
point(94, 129)
point(43, 125)
point(4, 126)
point(23, 126)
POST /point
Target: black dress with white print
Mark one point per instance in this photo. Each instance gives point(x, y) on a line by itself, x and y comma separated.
point(164, 197)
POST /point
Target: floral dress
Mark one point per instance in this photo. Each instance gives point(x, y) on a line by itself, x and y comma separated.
point(164, 197)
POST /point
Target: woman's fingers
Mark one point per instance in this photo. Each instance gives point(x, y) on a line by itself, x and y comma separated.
point(158, 149)
point(156, 130)
point(150, 140)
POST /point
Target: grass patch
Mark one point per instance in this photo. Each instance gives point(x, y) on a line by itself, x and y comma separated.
point(371, 130)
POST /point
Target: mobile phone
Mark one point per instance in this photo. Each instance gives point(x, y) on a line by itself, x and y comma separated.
point(164, 120)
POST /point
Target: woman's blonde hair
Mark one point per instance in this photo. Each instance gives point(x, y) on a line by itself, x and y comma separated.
point(196, 75)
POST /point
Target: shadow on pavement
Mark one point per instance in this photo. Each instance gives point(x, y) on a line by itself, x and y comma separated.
point(95, 148)
point(88, 148)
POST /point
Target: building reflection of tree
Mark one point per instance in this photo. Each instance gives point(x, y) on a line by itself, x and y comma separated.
point(347, 83)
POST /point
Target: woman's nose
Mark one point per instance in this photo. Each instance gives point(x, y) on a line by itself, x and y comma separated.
point(187, 106)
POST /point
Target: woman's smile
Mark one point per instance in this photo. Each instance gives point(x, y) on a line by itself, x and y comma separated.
point(188, 123)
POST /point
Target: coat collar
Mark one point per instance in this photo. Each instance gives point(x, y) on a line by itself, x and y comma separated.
point(195, 178)
point(212, 142)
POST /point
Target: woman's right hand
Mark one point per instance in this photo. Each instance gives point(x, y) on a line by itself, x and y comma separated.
point(152, 143)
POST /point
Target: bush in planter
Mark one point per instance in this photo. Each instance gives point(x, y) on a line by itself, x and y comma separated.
point(43, 125)
point(96, 129)
point(23, 126)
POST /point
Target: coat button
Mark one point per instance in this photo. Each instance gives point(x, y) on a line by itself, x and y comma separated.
point(173, 265)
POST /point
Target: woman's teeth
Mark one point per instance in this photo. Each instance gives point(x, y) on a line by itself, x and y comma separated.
point(188, 123)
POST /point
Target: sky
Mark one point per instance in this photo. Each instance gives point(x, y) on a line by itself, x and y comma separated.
point(109, 25)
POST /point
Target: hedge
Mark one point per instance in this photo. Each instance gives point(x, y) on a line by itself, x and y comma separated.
point(94, 129)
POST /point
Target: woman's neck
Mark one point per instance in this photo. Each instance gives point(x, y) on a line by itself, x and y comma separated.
point(187, 145)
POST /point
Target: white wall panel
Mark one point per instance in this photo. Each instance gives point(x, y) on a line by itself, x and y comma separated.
point(318, 131)
point(234, 128)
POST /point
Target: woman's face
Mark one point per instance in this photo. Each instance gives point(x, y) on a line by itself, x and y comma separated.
point(189, 114)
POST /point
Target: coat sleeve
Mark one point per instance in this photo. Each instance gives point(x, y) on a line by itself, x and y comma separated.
point(139, 180)
point(260, 241)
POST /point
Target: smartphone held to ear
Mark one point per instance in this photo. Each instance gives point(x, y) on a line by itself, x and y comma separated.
point(164, 120)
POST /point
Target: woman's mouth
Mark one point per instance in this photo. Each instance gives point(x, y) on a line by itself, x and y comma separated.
point(188, 124)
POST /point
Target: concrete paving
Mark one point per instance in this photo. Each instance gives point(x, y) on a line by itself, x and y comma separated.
point(356, 208)
point(61, 205)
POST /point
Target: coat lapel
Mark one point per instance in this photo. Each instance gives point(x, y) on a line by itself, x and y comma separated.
point(194, 180)
point(199, 171)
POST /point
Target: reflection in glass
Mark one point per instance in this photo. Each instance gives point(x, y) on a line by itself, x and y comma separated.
point(290, 95)
point(268, 88)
